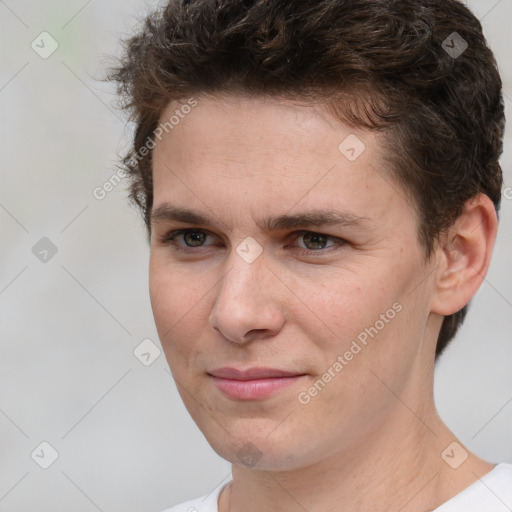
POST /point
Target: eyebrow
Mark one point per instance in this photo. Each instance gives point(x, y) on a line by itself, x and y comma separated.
point(317, 218)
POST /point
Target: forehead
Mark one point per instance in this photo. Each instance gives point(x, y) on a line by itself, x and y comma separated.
point(270, 153)
point(272, 124)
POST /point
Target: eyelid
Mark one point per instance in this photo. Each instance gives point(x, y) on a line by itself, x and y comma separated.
point(302, 232)
point(298, 234)
point(169, 236)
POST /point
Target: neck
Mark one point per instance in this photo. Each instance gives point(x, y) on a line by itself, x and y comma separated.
point(399, 468)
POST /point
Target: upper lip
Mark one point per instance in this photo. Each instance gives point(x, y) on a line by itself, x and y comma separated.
point(251, 373)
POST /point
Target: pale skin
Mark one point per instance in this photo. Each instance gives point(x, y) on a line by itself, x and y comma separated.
point(372, 438)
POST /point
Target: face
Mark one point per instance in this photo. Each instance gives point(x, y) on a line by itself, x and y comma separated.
point(286, 280)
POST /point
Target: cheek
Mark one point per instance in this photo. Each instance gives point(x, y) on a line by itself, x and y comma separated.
point(360, 317)
point(334, 309)
point(172, 292)
point(176, 302)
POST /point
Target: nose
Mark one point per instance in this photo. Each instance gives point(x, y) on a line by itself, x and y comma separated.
point(246, 306)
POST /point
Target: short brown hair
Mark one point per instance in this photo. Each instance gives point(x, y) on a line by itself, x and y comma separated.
point(376, 64)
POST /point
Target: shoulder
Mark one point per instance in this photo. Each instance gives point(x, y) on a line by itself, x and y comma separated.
point(492, 493)
point(207, 503)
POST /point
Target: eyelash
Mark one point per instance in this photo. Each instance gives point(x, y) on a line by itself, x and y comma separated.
point(169, 240)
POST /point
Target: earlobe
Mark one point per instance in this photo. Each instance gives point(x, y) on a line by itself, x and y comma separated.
point(464, 255)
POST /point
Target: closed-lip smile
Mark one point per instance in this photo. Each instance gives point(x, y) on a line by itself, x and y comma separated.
point(252, 383)
point(251, 373)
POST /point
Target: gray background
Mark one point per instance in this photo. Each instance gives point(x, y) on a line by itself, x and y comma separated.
point(69, 326)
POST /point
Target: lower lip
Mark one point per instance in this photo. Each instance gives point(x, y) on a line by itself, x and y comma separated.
point(253, 389)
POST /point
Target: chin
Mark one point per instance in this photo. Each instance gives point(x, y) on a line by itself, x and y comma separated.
point(256, 447)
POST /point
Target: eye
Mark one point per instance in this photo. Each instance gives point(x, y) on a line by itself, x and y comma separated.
point(189, 240)
point(191, 237)
point(316, 242)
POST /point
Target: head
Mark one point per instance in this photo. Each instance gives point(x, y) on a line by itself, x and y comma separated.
point(251, 113)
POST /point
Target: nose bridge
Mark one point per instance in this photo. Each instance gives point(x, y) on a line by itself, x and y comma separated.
point(239, 279)
point(243, 303)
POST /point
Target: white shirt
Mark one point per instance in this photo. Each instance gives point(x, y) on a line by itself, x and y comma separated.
point(491, 493)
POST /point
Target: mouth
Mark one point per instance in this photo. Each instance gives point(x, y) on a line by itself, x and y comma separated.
point(253, 383)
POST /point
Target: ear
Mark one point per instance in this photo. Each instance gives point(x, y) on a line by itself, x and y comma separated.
point(464, 256)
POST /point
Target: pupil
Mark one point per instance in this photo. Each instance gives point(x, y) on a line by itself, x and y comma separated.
point(315, 240)
point(194, 239)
